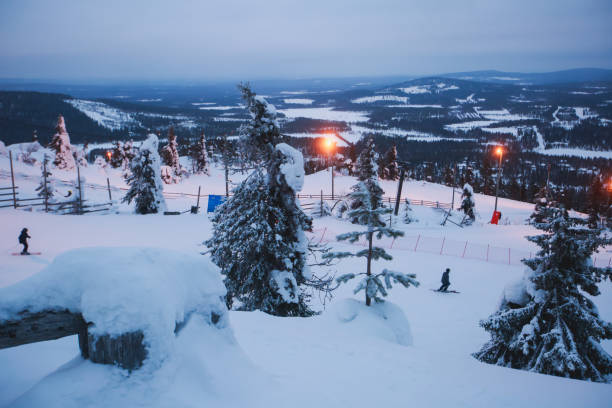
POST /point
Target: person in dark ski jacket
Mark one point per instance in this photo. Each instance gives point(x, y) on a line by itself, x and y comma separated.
point(23, 240)
point(445, 281)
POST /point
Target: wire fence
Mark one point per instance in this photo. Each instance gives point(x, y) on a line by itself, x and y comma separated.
point(449, 247)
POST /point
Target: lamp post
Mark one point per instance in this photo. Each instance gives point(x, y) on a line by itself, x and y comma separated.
point(500, 152)
point(330, 146)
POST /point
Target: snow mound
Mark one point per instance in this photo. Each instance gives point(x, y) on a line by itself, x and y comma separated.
point(123, 290)
point(3, 150)
point(516, 292)
point(384, 320)
point(293, 167)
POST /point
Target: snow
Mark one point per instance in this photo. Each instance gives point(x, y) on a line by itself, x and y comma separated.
point(286, 285)
point(325, 114)
point(3, 149)
point(381, 98)
point(500, 115)
point(469, 99)
point(569, 151)
point(505, 78)
point(202, 103)
point(463, 126)
point(219, 107)
point(119, 291)
point(415, 90)
point(271, 359)
point(299, 101)
point(106, 116)
point(434, 106)
point(293, 168)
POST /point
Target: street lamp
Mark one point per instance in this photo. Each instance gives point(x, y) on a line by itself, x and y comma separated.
point(500, 152)
point(329, 145)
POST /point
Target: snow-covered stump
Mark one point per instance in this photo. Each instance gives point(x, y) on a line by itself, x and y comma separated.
point(127, 305)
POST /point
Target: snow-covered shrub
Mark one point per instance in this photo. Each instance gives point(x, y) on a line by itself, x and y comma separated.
point(467, 204)
point(46, 188)
point(146, 187)
point(60, 143)
point(199, 156)
point(371, 283)
point(408, 215)
point(170, 157)
point(80, 156)
point(547, 324)
point(321, 209)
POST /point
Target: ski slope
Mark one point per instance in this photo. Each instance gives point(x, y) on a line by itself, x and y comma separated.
point(347, 356)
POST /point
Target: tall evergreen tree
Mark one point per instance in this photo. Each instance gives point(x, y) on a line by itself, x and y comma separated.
point(467, 204)
point(371, 283)
point(61, 144)
point(170, 154)
point(146, 187)
point(542, 202)
point(117, 155)
point(259, 242)
point(367, 174)
point(555, 329)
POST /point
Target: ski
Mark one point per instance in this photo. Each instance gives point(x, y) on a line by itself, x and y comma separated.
point(446, 291)
point(29, 253)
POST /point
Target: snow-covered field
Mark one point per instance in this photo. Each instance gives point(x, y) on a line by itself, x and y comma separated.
point(325, 114)
point(348, 356)
point(104, 115)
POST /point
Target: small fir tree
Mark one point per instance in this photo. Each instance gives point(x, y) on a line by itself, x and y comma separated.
point(367, 174)
point(199, 156)
point(170, 155)
point(117, 156)
point(146, 187)
point(556, 329)
point(389, 169)
point(46, 188)
point(408, 216)
point(371, 283)
point(60, 143)
point(467, 205)
point(542, 202)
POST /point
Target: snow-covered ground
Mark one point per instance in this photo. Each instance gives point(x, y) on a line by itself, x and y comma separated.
point(103, 114)
point(348, 356)
point(325, 114)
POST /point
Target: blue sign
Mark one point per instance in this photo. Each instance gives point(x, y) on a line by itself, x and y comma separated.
point(214, 201)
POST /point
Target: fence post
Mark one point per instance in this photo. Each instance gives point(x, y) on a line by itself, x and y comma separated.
point(45, 181)
point(442, 249)
point(417, 243)
point(198, 202)
point(437, 204)
point(110, 198)
point(13, 179)
point(464, 248)
point(80, 190)
point(321, 203)
point(487, 253)
point(508, 256)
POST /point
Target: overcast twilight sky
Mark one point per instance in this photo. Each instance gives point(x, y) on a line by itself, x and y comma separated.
point(233, 39)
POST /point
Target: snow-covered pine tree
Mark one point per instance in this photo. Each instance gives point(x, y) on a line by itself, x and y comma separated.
point(258, 239)
point(46, 188)
point(128, 153)
point(553, 328)
point(199, 155)
point(371, 283)
point(367, 173)
point(408, 216)
point(389, 169)
point(61, 144)
point(117, 156)
point(146, 187)
point(542, 202)
point(467, 204)
point(80, 156)
point(262, 132)
point(170, 155)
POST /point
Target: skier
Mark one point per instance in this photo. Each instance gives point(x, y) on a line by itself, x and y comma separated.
point(23, 240)
point(445, 281)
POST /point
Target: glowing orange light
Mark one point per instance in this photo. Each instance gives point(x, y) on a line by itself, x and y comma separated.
point(108, 154)
point(499, 151)
point(328, 144)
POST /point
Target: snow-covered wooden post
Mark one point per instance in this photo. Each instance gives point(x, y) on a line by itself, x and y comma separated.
point(80, 211)
point(45, 185)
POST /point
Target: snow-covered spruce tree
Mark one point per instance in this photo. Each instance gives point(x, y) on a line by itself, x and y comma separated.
point(117, 155)
point(389, 169)
point(258, 239)
point(367, 174)
point(199, 156)
point(61, 144)
point(371, 283)
point(554, 328)
point(262, 132)
point(408, 216)
point(170, 154)
point(46, 188)
point(542, 202)
point(80, 156)
point(146, 187)
point(467, 204)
